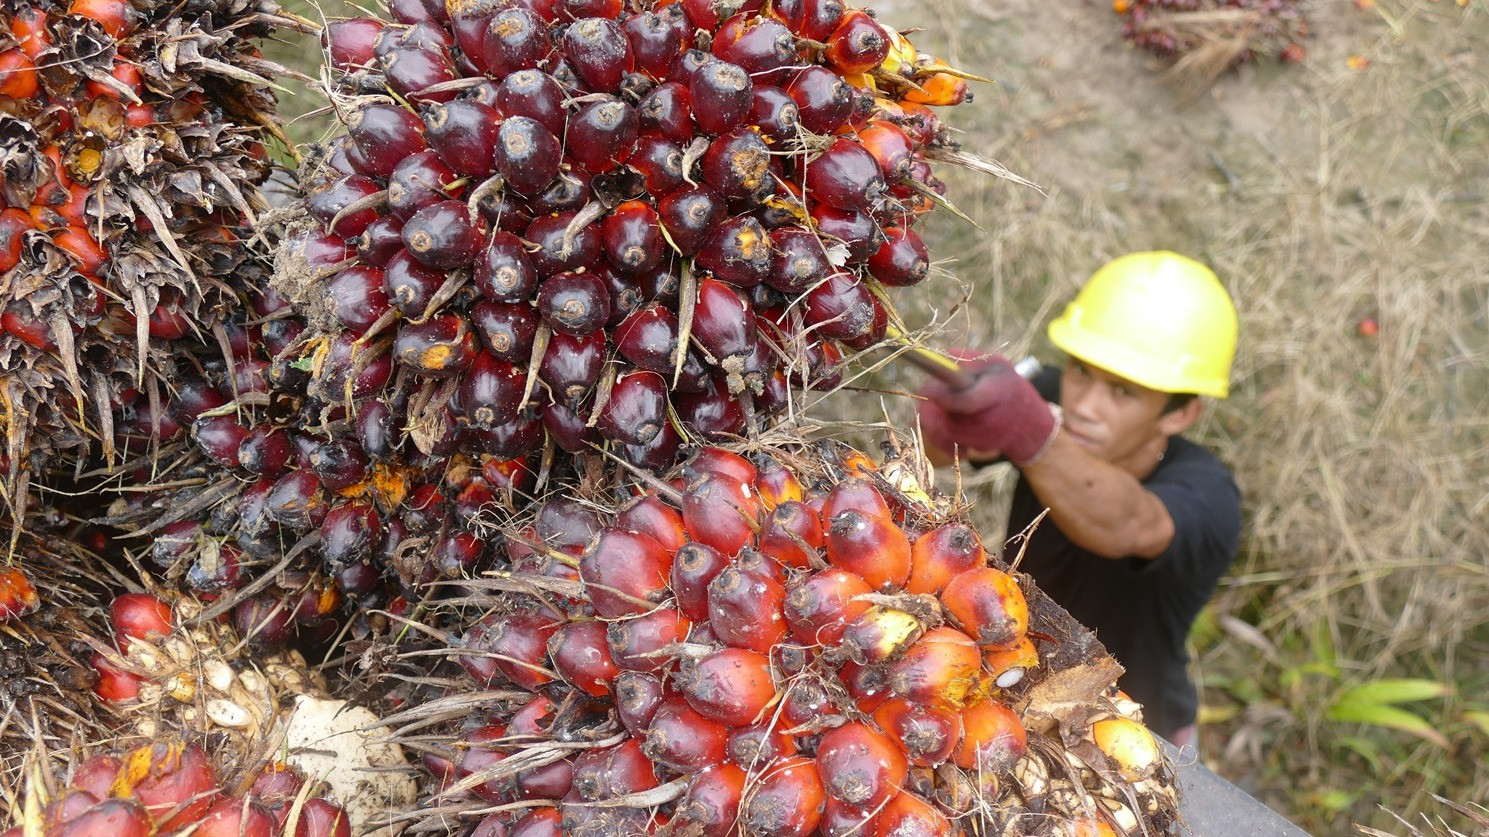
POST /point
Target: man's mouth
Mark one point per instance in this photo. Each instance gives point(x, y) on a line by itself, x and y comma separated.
point(1083, 441)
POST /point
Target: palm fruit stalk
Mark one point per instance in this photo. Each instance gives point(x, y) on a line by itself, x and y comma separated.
point(1219, 33)
point(135, 717)
point(771, 639)
point(132, 140)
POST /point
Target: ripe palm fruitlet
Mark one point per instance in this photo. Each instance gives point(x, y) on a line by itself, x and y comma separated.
point(734, 647)
point(132, 142)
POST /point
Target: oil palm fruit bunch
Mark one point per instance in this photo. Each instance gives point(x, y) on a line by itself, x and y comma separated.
point(780, 640)
point(1176, 28)
point(612, 223)
point(191, 735)
point(131, 141)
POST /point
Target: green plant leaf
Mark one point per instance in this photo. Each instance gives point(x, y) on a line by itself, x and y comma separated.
point(1403, 690)
point(1391, 717)
point(1479, 718)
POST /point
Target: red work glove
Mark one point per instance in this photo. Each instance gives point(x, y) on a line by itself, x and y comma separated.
point(1000, 411)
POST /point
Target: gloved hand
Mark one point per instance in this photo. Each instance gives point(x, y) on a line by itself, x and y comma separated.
point(1000, 411)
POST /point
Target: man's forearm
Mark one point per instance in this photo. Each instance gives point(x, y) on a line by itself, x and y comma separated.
point(1099, 506)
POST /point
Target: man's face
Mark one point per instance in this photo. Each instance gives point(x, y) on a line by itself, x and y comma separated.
point(1114, 418)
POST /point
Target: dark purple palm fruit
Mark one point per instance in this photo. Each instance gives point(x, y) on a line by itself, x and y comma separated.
point(326, 203)
point(724, 326)
point(841, 307)
point(798, 260)
point(443, 236)
point(648, 339)
point(516, 438)
point(636, 409)
point(571, 365)
point(845, 176)
point(569, 191)
point(667, 112)
point(859, 234)
point(491, 391)
point(737, 164)
point(349, 534)
point(632, 237)
point(601, 134)
point(438, 347)
point(411, 72)
point(527, 154)
point(690, 215)
point(464, 135)
point(599, 52)
point(356, 298)
point(563, 242)
point(340, 463)
point(824, 99)
point(384, 134)
point(266, 451)
point(375, 428)
point(659, 161)
point(656, 45)
point(515, 39)
point(503, 272)
point(739, 252)
point(381, 241)
point(536, 95)
point(722, 95)
point(506, 330)
point(712, 413)
point(574, 302)
point(410, 285)
point(569, 430)
point(775, 113)
point(902, 259)
point(220, 437)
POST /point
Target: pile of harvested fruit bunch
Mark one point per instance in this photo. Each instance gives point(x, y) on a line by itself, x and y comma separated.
point(791, 642)
point(132, 134)
point(1231, 32)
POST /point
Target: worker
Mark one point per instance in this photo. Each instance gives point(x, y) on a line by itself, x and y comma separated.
point(1142, 522)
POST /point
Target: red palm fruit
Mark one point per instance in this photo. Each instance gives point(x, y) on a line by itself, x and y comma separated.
point(536, 95)
point(339, 463)
point(710, 459)
point(516, 645)
point(568, 429)
point(480, 752)
point(464, 134)
point(722, 95)
point(636, 644)
point(659, 161)
point(682, 740)
point(174, 780)
point(539, 822)
point(843, 308)
point(738, 252)
point(438, 347)
point(648, 339)
point(533, 719)
point(516, 39)
point(723, 323)
point(491, 390)
point(503, 271)
point(776, 484)
point(326, 203)
point(624, 572)
point(761, 45)
point(775, 113)
point(806, 702)
point(824, 99)
point(637, 696)
point(347, 356)
point(355, 297)
point(381, 241)
point(755, 746)
point(384, 134)
point(738, 164)
point(613, 771)
point(550, 781)
point(656, 455)
point(599, 52)
point(237, 816)
point(693, 568)
point(96, 774)
point(648, 515)
point(517, 438)
point(410, 71)
point(881, 634)
point(1006, 667)
point(139, 616)
point(667, 112)
point(637, 408)
point(507, 330)
point(988, 605)
point(691, 215)
point(13, 223)
point(527, 154)
point(424, 508)
point(350, 41)
point(632, 237)
point(927, 734)
point(655, 44)
point(819, 607)
point(574, 302)
point(813, 19)
point(457, 554)
point(993, 739)
point(710, 807)
point(114, 683)
point(871, 546)
point(721, 511)
point(560, 249)
point(857, 231)
point(321, 818)
point(712, 413)
point(571, 190)
point(858, 43)
point(18, 78)
point(732, 686)
point(890, 146)
point(792, 535)
point(495, 825)
point(798, 260)
point(265, 623)
point(868, 685)
point(418, 180)
point(110, 818)
point(908, 815)
point(571, 365)
point(744, 610)
point(787, 801)
point(940, 554)
point(408, 284)
point(902, 260)
point(940, 669)
point(216, 570)
point(860, 765)
point(581, 656)
point(845, 176)
point(602, 134)
point(442, 235)
point(18, 596)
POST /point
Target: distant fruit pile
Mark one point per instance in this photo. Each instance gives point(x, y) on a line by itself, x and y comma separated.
point(783, 646)
point(1241, 30)
point(131, 140)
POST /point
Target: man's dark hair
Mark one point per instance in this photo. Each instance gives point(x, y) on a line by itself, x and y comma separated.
point(1177, 400)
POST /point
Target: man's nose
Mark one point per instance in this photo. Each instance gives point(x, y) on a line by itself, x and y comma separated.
point(1087, 404)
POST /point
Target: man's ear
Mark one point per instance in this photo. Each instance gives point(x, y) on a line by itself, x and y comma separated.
point(1177, 421)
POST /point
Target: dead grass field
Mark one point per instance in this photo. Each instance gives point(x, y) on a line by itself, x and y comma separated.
point(1323, 194)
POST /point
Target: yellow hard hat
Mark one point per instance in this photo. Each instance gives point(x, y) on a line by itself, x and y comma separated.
point(1158, 319)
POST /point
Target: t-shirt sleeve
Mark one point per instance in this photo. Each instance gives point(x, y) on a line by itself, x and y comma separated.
point(1205, 504)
